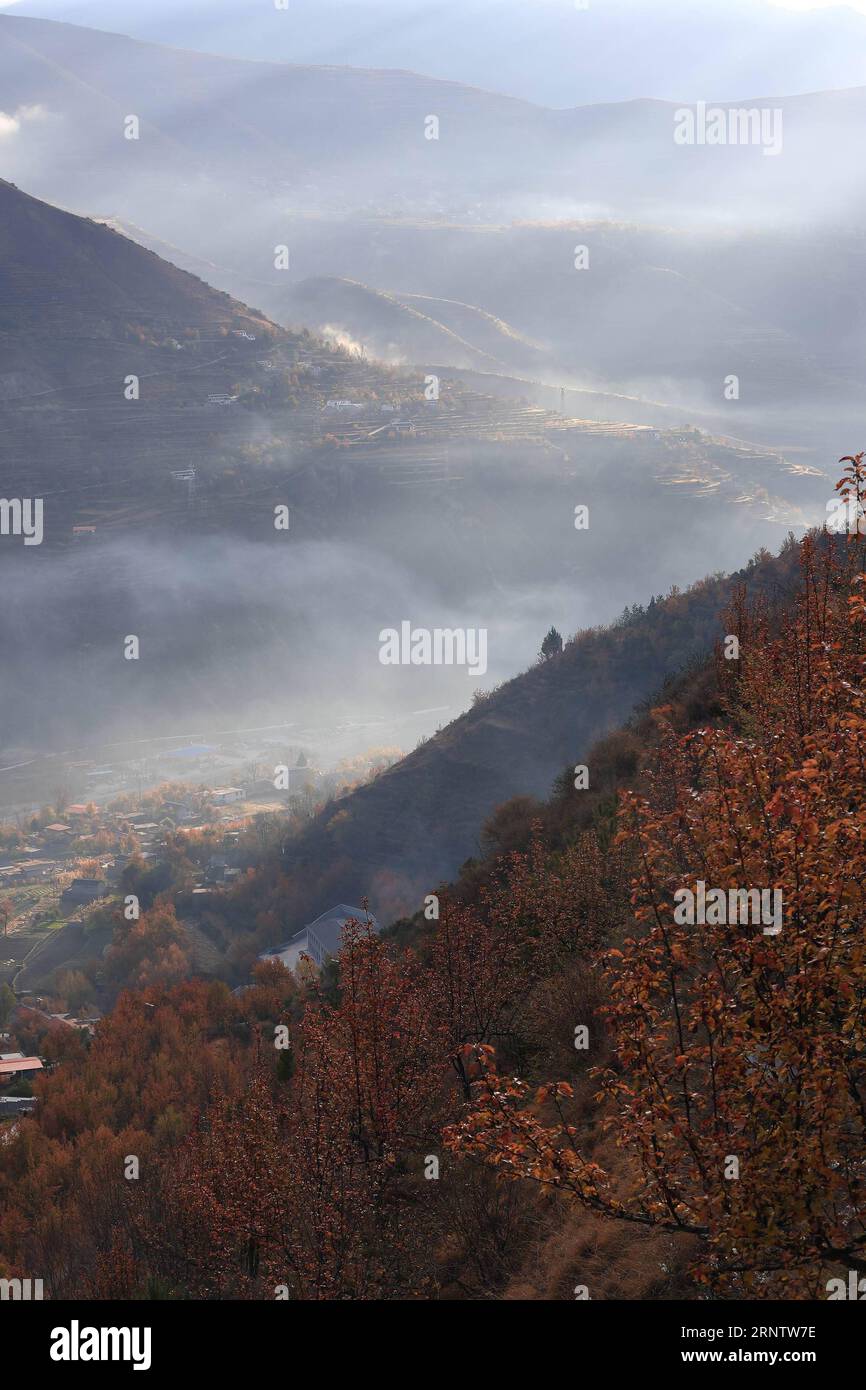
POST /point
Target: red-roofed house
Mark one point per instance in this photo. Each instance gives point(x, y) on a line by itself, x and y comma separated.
point(20, 1066)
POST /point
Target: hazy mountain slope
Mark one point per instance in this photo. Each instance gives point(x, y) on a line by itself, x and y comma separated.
point(413, 826)
point(660, 315)
point(84, 310)
point(752, 267)
point(71, 291)
point(407, 327)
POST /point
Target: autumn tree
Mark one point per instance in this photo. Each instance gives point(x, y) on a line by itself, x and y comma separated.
point(153, 950)
point(313, 1185)
point(67, 1204)
point(489, 962)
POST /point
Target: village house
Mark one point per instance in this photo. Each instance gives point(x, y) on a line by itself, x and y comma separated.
point(320, 939)
point(36, 870)
point(217, 869)
point(83, 891)
point(296, 779)
point(83, 1025)
point(16, 1105)
point(223, 796)
point(137, 822)
point(19, 1068)
point(58, 834)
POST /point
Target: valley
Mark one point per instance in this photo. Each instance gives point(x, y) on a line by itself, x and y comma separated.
point(431, 557)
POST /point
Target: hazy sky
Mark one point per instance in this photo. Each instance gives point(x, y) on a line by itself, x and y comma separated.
point(548, 51)
point(859, 5)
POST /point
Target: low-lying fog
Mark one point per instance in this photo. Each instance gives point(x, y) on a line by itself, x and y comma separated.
point(237, 634)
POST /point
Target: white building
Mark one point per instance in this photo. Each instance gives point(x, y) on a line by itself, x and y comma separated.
point(321, 939)
point(223, 796)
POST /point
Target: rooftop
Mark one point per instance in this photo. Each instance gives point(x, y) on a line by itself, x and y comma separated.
point(20, 1065)
point(327, 929)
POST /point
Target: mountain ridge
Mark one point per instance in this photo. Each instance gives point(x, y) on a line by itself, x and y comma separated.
point(40, 24)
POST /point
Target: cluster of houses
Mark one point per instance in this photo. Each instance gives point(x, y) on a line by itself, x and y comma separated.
point(48, 850)
point(61, 844)
point(54, 849)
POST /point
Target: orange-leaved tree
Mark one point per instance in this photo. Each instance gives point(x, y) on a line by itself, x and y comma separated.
point(307, 1187)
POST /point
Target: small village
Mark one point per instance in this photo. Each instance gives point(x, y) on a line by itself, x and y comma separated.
point(65, 874)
